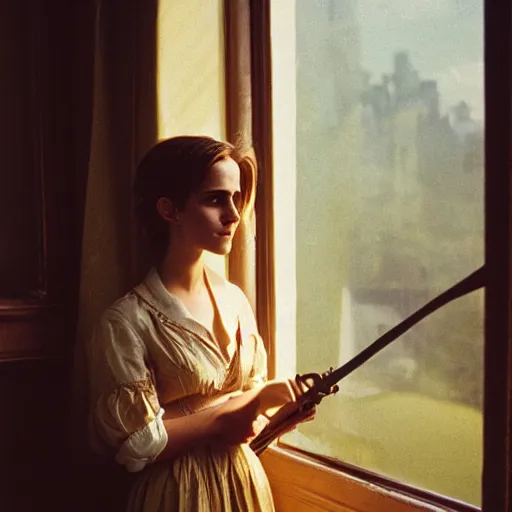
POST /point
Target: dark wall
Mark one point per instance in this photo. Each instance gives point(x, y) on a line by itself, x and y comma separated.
point(46, 91)
point(63, 58)
point(33, 435)
point(37, 468)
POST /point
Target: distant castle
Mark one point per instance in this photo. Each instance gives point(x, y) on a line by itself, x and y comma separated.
point(405, 130)
point(426, 164)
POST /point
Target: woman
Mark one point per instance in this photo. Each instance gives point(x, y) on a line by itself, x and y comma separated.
point(177, 367)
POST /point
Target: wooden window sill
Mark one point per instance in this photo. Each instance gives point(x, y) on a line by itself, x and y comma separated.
point(303, 485)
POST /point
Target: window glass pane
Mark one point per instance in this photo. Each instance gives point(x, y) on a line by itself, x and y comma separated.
point(389, 213)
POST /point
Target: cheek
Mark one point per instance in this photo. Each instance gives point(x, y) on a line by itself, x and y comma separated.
point(209, 216)
point(204, 220)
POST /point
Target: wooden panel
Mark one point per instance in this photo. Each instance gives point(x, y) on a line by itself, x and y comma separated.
point(28, 331)
point(299, 485)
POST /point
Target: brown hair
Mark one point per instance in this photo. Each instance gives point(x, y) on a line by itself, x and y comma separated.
point(175, 168)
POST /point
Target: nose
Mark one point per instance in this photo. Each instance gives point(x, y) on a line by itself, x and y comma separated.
point(231, 215)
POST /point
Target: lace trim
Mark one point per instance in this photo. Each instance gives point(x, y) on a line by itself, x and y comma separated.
point(143, 385)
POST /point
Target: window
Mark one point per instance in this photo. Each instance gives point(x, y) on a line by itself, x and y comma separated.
point(378, 122)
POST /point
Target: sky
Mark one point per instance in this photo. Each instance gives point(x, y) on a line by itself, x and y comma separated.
point(444, 39)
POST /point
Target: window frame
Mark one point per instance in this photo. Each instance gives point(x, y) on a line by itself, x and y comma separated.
point(315, 478)
point(241, 259)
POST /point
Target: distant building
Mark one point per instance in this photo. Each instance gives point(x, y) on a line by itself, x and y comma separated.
point(365, 317)
point(461, 122)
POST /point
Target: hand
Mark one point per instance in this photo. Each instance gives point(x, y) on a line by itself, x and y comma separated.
point(285, 420)
point(303, 417)
point(300, 387)
point(258, 425)
point(235, 420)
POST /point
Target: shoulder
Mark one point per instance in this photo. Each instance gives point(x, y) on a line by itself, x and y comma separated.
point(126, 314)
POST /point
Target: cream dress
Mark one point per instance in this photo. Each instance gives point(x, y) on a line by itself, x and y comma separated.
point(148, 355)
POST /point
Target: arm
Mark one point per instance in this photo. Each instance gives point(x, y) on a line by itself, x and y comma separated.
point(229, 423)
point(187, 432)
point(127, 418)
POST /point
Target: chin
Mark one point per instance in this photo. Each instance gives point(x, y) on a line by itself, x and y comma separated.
point(221, 249)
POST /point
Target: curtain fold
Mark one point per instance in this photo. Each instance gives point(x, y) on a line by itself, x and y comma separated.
point(242, 259)
point(123, 120)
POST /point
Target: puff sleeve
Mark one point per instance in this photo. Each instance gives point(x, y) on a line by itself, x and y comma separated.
point(125, 417)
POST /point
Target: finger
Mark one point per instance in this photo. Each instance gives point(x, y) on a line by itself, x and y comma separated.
point(297, 391)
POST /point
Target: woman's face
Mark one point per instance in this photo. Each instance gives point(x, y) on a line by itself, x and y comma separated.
point(210, 217)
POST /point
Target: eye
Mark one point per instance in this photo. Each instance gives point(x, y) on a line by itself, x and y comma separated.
point(213, 199)
point(224, 199)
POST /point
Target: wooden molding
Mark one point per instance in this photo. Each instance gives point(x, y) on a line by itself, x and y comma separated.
point(238, 70)
point(29, 330)
point(237, 38)
point(497, 470)
point(262, 137)
point(10, 310)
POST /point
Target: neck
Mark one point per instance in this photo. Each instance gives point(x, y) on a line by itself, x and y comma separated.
point(182, 270)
